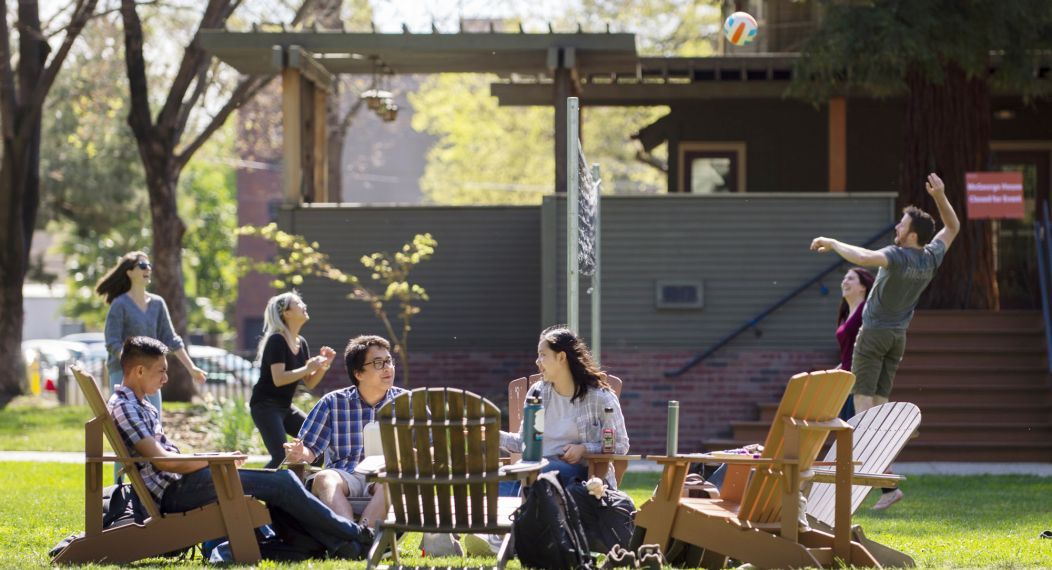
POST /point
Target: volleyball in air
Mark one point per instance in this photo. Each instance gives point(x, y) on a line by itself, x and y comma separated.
point(740, 28)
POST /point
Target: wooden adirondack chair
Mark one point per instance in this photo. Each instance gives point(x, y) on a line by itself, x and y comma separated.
point(442, 468)
point(757, 517)
point(598, 463)
point(878, 437)
point(235, 515)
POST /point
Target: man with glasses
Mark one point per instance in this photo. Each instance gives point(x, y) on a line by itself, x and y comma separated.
point(335, 428)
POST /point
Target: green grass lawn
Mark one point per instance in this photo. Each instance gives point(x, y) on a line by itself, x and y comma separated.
point(31, 427)
point(944, 522)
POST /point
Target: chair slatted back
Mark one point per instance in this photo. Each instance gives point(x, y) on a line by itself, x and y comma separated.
point(880, 434)
point(517, 399)
point(441, 449)
point(102, 414)
point(815, 396)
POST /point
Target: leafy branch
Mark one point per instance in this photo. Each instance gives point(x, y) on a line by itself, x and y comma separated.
point(297, 259)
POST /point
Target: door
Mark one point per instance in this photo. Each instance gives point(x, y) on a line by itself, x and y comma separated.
point(1016, 255)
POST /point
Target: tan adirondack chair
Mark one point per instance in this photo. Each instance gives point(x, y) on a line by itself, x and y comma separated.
point(756, 519)
point(598, 464)
point(235, 515)
point(878, 437)
point(442, 468)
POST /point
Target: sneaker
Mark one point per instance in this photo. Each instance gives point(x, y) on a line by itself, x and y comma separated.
point(888, 499)
point(482, 544)
point(440, 544)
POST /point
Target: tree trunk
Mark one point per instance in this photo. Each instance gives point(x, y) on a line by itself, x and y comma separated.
point(947, 131)
point(14, 261)
point(167, 256)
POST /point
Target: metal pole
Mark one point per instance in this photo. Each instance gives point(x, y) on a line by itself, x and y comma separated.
point(597, 337)
point(573, 190)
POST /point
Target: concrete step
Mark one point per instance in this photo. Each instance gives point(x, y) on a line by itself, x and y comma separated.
point(939, 376)
point(972, 394)
point(983, 341)
point(999, 358)
point(1029, 412)
point(977, 320)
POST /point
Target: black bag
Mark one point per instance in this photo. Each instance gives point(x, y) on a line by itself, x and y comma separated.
point(607, 521)
point(547, 528)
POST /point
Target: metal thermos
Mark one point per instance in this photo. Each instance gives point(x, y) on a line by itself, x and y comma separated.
point(532, 429)
point(672, 430)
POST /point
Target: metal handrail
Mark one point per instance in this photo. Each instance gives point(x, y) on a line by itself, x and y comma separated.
point(1043, 249)
point(700, 356)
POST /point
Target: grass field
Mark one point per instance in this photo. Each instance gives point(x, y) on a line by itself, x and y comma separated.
point(944, 522)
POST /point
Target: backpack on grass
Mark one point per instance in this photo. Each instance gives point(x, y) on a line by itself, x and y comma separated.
point(547, 528)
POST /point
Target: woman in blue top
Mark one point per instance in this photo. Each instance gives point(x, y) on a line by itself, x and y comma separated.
point(575, 395)
point(284, 359)
point(134, 312)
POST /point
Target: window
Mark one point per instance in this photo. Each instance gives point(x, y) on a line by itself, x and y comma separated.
point(708, 168)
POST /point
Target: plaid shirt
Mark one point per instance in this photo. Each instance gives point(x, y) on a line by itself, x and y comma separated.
point(588, 412)
point(137, 420)
point(334, 426)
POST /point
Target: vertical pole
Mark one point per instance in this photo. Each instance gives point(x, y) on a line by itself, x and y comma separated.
point(572, 193)
point(597, 337)
point(292, 117)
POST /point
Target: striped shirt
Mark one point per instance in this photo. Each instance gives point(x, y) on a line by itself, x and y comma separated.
point(137, 420)
point(588, 413)
point(334, 426)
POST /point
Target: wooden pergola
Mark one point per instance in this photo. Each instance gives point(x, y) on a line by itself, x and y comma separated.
point(535, 69)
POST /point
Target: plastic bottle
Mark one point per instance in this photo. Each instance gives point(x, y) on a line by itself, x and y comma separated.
point(608, 430)
point(532, 429)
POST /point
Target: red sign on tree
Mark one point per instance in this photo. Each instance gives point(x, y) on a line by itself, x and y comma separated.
point(995, 195)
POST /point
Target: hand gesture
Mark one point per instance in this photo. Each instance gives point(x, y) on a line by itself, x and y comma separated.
point(315, 363)
point(198, 375)
point(822, 245)
point(296, 452)
point(572, 452)
point(934, 185)
point(329, 355)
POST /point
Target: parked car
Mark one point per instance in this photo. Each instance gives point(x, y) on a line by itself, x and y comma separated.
point(46, 362)
point(222, 366)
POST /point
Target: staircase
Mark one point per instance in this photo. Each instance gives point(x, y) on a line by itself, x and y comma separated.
point(981, 381)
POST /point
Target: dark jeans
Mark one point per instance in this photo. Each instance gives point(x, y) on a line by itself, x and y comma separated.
point(568, 473)
point(275, 421)
point(279, 490)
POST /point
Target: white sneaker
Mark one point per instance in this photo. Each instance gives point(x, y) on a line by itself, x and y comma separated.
point(440, 544)
point(888, 499)
point(482, 544)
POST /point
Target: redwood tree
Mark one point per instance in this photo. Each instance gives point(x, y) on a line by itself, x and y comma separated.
point(164, 153)
point(23, 88)
point(944, 57)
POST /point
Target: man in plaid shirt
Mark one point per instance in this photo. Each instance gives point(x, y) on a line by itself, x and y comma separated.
point(180, 486)
point(334, 428)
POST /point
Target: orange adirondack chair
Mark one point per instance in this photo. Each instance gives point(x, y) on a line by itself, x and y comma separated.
point(235, 515)
point(757, 517)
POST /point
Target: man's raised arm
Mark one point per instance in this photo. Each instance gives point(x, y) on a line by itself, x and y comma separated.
point(850, 253)
point(951, 225)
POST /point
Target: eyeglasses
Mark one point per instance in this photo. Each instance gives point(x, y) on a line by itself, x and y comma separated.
point(144, 265)
point(380, 363)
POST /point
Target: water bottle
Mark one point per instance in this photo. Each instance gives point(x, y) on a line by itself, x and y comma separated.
point(608, 430)
point(532, 429)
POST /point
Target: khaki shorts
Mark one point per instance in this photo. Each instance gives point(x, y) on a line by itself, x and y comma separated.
point(357, 486)
point(876, 359)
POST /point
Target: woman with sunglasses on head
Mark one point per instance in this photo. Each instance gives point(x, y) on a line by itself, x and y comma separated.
point(575, 397)
point(284, 360)
point(134, 312)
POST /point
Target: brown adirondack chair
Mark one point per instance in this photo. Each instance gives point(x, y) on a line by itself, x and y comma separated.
point(757, 517)
point(878, 437)
point(442, 468)
point(598, 463)
point(235, 515)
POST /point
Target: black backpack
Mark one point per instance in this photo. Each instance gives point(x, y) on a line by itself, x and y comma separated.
point(547, 528)
point(608, 521)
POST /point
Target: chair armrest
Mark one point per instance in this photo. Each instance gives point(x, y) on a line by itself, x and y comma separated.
point(730, 460)
point(868, 479)
point(604, 457)
point(211, 458)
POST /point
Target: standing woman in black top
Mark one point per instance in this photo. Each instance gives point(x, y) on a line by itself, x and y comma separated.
point(284, 359)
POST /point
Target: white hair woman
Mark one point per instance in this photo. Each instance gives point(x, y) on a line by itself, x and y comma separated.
point(284, 360)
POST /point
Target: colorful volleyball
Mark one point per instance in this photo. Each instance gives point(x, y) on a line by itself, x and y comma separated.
point(740, 28)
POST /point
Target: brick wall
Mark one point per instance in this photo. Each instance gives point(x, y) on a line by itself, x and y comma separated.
point(726, 387)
